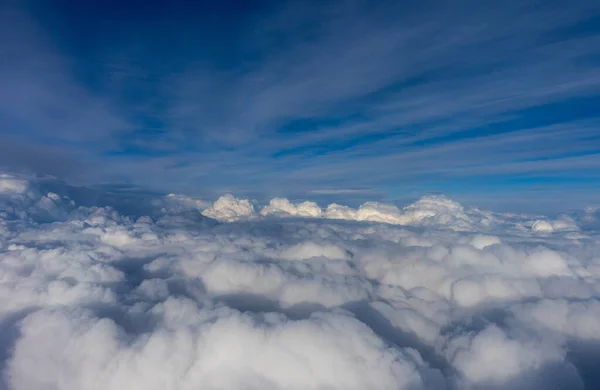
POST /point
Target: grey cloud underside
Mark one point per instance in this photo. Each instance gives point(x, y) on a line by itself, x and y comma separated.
point(287, 299)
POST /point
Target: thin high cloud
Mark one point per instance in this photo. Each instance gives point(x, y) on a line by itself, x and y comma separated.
point(360, 86)
point(50, 123)
point(318, 96)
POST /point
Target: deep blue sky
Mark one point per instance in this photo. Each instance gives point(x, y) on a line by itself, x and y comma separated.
point(492, 103)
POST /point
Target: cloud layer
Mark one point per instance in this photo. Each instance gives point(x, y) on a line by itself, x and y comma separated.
point(293, 296)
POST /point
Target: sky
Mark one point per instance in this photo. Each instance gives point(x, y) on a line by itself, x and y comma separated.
point(491, 103)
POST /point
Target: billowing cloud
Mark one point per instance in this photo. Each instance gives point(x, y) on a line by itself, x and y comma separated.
point(180, 203)
point(433, 295)
point(228, 208)
point(283, 206)
point(563, 223)
point(427, 210)
point(431, 211)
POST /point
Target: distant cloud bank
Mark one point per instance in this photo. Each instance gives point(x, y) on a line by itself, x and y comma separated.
point(432, 210)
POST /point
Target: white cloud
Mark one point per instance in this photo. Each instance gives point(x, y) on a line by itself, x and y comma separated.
point(483, 241)
point(308, 250)
point(228, 208)
point(12, 184)
point(90, 298)
point(283, 206)
point(216, 349)
point(542, 226)
point(429, 210)
point(336, 211)
point(563, 223)
point(491, 356)
point(179, 202)
point(433, 211)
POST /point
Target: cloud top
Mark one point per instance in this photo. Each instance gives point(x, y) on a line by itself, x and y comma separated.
point(428, 297)
point(435, 211)
point(228, 208)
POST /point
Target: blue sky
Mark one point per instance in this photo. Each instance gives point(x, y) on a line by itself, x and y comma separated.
point(492, 103)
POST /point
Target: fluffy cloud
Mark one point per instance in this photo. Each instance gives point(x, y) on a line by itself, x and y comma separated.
point(211, 348)
point(561, 224)
point(11, 184)
point(429, 211)
point(228, 208)
point(491, 357)
point(279, 206)
point(179, 202)
point(469, 299)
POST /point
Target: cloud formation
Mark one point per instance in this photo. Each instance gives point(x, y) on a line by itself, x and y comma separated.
point(429, 211)
point(430, 296)
point(282, 206)
point(228, 208)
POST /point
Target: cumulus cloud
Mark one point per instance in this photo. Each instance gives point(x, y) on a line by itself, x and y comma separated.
point(563, 223)
point(282, 206)
point(434, 211)
point(228, 208)
point(211, 348)
point(11, 184)
point(492, 357)
point(179, 202)
point(433, 295)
